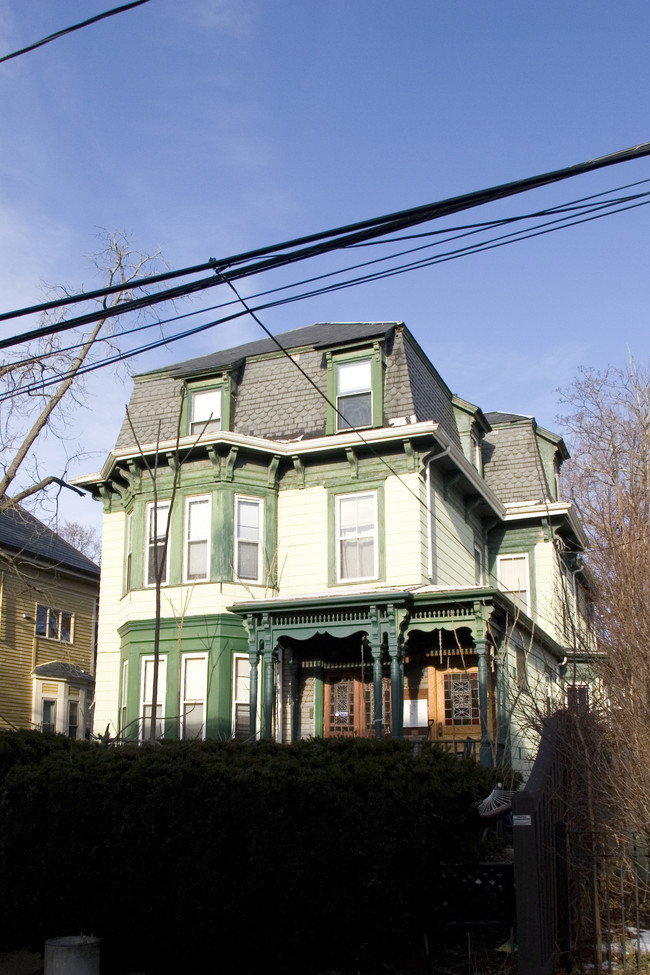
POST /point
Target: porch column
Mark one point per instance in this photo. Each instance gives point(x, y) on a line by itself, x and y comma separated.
point(253, 658)
point(485, 752)
point(267, 657)
point(397, 689)
point(377, 688)
point(293, 692)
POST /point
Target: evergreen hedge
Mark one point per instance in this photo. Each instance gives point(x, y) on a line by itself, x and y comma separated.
point(324, 854)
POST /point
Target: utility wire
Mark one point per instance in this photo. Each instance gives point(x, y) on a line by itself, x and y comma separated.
point(69, 30)
point(330, 240)
point(41, 384)
point(467, 230)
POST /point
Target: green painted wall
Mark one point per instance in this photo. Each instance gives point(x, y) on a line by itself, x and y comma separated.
point(218, 636)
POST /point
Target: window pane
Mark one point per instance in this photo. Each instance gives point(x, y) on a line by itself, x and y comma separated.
point(198, 519)
point(193, 720)
point(247, 553)
point(41, 620)
point(158, 521)
point(49, 716)
point(353, 377)
point(248, 520)
point(157, 559)
point(73, 719)
point(66, 627)
point(242, 721)
point(357, 536)
point(354, 411)
point(194, 686)
point(197, 559)
point(242, 679)
point(53, 624)
point(206, 411)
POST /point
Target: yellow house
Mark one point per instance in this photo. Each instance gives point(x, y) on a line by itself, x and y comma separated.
point(48, 610)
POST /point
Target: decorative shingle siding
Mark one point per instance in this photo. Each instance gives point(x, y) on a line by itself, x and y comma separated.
point(274, 400)
point(511, 462)
point(431, 398)
point(153, 401)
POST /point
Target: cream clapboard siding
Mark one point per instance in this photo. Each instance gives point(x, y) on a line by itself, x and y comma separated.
point(108, 642)
point(303, 541)
point(21, 650)
point(452, 540)
point(405, 559)
point(546, 598)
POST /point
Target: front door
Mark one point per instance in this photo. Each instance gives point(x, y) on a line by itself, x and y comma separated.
point(348, 704)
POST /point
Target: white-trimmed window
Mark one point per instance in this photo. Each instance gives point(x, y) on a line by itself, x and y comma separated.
point(205, 411)
point(479, 566)
point(354, 394)
point(54, 624)
point(157, 548)
point(249, 524)
point(477, 458)
point(197, 539)
point(193, 695)
point(124, 699)
point(128, 565)
point(513, 576)
point(48, 714)
point(146, 696)
point(73, 719)
point(356, 537)
point(241, 702)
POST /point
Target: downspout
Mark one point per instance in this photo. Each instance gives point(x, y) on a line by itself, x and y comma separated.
point(427, 460)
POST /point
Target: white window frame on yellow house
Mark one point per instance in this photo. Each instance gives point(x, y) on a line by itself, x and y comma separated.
point(50, 624)
point(63, 698)
point(197, 531)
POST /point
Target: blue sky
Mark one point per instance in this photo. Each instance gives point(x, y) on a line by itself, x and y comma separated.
point(212, 126)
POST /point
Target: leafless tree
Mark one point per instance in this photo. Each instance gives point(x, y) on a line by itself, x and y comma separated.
point(41, 385)
point(607, 423)
point(82, 537)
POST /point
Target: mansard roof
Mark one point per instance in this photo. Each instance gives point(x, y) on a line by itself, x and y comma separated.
point(23, 535)
point(513, 464)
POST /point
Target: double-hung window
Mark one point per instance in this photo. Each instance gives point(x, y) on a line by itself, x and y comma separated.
point(197, 539)
point(48, 713)
point(157, 553)
point(249, 523)
point(54, 624)
point(356, 536)
point(514, 578)
point(124, 698)
point(128, 566)
point(193, 694)
point(241, 703)
point(146, 697)
point(205, 411)
point(354, 394)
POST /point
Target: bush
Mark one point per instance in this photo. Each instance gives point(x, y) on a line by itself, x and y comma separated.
point(318, 855)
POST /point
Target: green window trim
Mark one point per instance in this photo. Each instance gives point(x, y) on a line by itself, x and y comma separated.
point(224, 386)
point(333, 560)
point(372, 354)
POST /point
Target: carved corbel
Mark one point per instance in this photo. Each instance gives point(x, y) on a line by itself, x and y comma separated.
point(353, 461)
point(230, 463)
point(215, 460)
point(299, 468)
point(272, 471)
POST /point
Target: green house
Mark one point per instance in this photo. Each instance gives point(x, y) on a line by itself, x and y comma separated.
point(344, 547)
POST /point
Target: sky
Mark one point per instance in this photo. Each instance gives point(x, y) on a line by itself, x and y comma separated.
point(204, 128)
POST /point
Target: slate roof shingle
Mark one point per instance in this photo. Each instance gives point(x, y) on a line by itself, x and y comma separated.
point(24, 534)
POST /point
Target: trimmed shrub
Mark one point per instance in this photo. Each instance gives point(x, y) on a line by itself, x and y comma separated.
point(323, 854)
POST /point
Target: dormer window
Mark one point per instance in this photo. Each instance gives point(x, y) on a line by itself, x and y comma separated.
point(354, 394)
point(205, 411)
point(477, 459)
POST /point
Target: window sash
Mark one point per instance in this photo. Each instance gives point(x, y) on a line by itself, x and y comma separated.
point(48, 721)
point(193, 695)
point(197, 538)
point(249, 517)
point(125, 689)
point(357, 536)
point(129, 552)
point(241, 717)
point(158, 517)
point(354, 394)
point(54, 624)
point(205, 411)
point(514, 579)
point(146, 696)
point(73, 719)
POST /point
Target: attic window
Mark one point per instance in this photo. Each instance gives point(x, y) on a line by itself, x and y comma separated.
point(205, 411)
point(477, 459)
point(354, 394)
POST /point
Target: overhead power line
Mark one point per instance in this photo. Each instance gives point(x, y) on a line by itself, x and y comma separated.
point(305, 247)
point(69, 30)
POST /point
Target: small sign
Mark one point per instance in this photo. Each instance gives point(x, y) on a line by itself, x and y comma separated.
point(522, 820)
